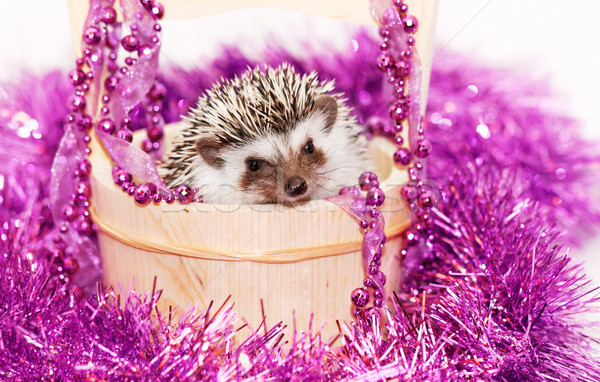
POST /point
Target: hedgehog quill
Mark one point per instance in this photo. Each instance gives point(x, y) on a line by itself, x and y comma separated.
point(268, 136)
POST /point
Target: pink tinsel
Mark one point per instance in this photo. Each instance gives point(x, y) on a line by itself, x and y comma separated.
point(493, 298)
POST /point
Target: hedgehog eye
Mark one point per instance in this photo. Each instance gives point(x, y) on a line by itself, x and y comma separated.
point(253, 164)
point(309, 148)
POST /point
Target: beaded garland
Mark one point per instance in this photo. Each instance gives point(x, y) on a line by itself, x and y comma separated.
point(101, 39)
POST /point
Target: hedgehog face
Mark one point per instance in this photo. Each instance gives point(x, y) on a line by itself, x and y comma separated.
point(309, 161)
point(270, 136)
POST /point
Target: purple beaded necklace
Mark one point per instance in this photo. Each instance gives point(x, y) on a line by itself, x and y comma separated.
point(134, 82)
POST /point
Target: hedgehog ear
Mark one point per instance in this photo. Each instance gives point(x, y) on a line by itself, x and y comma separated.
point(328, 107)
point(210, 150)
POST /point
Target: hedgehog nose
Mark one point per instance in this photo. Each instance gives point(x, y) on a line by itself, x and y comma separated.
point(295, 186)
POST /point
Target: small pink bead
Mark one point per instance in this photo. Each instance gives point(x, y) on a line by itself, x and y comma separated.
point(184, 194)
point(399, 112)
point(125, 134)
point(76, 76)
point(121, 176)
point(351, 190)
point(410, 237)
point(422, 148)
point(142, 194)
point(158, 10)
point(367, 180)
point(130, 43)
point(107, 125)
point(402, 156)
point(410, 24)
point(425, 200)
point(85, 167)
point(409, 192)
point(77, 103)
point(109, 15)
point(92, 35)
point(375, 197)
point(360, 297)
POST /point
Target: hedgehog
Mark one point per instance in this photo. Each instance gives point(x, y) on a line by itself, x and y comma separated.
point(270, 135)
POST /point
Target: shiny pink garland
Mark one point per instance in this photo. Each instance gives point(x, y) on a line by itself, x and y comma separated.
point(490, 311)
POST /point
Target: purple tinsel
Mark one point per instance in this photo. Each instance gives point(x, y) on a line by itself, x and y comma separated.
point(495, 298)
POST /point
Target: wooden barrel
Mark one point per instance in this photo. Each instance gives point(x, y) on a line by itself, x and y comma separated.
point(298, 260)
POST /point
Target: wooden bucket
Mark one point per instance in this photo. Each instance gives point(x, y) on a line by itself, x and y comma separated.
point(299, 261)
point(303, 259)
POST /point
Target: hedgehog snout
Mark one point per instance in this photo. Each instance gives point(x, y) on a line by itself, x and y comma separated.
point(296, 186)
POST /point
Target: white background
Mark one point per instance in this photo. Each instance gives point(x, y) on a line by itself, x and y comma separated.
point(559, 39)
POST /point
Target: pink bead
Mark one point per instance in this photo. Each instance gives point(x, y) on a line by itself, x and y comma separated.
point(422, 148)
point(410, 237)
point(402, 68)
point(384, 32)
point(126, 122)
point(425, 200)
point(410, 24)
point(121, 176)
point(384, 62)
point(77, 103)
point(375, 197)
point(125, 134)
point(367, 180)
point(107, 125)
point(144, 50)
point(85, 167)
point(109, 15)
point(158, 10)
point(84, 225)
point(111, 83)
point(83, 189)
point(76, 76)
point(84, 122)
point(157, 92)
point(184, 194)
point(68, 213)
point(360, 297)
point(409, 192)
point(130, 43)
point(399, 112)
point(155, 133)
point(402, 156)
point(399, 140)
point(92, 35)
point(351, 190)
point(142, 194)
point(148, 146)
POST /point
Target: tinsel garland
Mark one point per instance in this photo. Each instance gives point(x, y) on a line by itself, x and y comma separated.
point(495, 298)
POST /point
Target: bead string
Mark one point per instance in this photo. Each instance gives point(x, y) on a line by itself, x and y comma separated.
point(420, 200)
point(415, 192)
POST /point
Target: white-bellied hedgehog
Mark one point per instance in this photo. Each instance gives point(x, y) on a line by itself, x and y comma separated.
point(269, 136)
